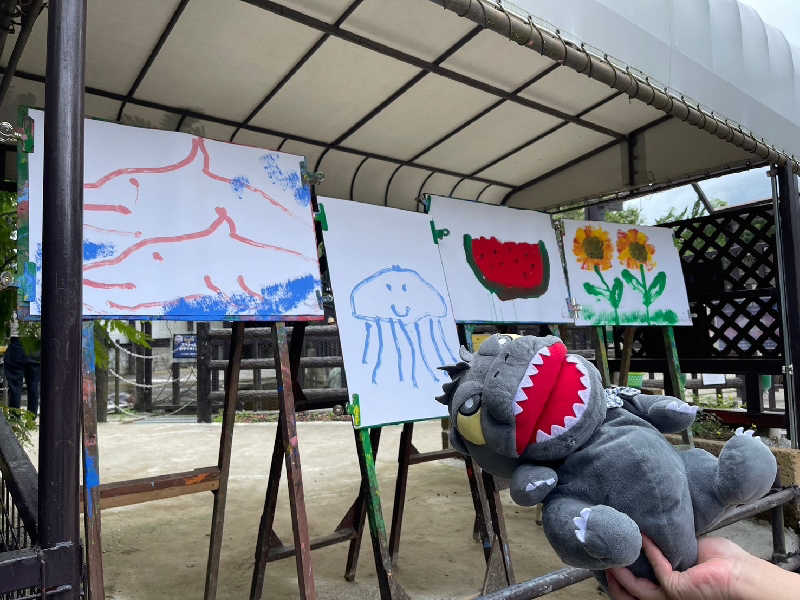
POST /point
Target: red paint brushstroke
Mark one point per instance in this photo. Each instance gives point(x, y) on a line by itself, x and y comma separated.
point(114, 231)
point(198, 144)
point(135, 183)
point(247, 290)
point(157, 256)
point(109, 286)
point(222, 218)
point(210, 285)
point(108, 208)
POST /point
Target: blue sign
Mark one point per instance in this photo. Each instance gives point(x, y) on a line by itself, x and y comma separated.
point(184, 345)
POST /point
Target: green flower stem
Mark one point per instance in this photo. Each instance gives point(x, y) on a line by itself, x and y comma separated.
point(608, 289)
point(645, 294)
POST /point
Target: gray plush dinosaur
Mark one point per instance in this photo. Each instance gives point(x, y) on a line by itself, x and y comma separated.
point(528, 411)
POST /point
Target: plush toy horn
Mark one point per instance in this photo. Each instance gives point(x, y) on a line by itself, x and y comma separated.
point(465, 354)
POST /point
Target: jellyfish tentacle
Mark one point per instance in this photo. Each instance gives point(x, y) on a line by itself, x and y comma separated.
point(422, 352)
point(413, 352)
point(435, 343)
point(399, 352)
point(380, 350)
point(368, 327)
point(444, 342)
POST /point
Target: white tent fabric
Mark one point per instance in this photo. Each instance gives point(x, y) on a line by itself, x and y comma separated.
point(392, 99)
point(718, 52)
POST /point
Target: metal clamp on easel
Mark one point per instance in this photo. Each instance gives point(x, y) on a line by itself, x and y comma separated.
point(438, 234)
point(310, 177)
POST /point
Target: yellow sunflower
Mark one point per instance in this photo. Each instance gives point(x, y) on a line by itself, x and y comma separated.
point(634, 250)
point(592, 248)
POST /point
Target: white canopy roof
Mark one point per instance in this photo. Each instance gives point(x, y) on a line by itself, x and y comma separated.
point(394, 98)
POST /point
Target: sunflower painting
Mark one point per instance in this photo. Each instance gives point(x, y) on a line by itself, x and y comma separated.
point(593, 251)
point(636, 252)
point(624, 275)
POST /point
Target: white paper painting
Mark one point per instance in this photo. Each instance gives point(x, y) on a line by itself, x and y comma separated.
point(502, 265)
point(181, 227)
point(625, 274)
point(395, 320)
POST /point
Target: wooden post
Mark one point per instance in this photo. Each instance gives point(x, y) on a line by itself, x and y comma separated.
point(91, 469)
point(116, 379)
point(627, 352)
point(147, 328)
point(288, 433)
point(224, 461)
point(176, 383)
point(674, 374)
point(141, 400)
point(601, 355)
point(204, 409)
point(403, 456)
point(388, 586)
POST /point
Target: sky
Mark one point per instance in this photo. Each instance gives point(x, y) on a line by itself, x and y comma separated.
point(737, 188)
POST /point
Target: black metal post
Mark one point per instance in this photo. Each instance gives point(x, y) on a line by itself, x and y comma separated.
point(62, 298)
point(788, 220)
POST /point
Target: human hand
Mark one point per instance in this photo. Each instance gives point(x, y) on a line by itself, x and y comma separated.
point(720, 564)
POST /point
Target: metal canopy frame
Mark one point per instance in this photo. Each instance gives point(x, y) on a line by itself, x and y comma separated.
point(334, 29)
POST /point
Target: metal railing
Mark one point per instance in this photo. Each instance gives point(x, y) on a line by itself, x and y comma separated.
point(18, 504)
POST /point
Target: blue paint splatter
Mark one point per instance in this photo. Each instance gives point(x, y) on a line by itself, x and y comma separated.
point(278, 299)
point(91, 250)
point(238, 184)
point(286, 181)
point(92, 477)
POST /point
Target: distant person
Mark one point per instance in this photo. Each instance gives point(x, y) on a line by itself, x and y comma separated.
point(18, 365)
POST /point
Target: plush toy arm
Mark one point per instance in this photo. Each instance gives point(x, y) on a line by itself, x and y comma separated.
point(591, 537)
point(530, 484)
point(665, 413)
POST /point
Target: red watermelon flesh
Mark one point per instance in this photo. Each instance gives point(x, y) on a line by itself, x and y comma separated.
point(509, 269)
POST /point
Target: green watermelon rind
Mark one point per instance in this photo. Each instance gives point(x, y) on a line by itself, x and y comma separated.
point(509, 292)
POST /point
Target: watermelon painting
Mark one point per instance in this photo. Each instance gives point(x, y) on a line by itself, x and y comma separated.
point(509, 269)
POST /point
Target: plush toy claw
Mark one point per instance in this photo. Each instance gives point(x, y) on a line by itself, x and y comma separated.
point(526, 410)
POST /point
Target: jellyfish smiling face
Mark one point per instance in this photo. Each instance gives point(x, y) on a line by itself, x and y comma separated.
point(412, 309)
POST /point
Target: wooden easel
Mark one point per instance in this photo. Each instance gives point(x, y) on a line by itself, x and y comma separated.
point(269, 547)
point(489, 526)
point(97, 496)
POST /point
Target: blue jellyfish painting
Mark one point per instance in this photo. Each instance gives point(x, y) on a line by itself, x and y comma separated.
point(398, 303)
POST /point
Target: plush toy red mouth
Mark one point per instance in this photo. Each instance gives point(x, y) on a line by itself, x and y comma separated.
point(551, 397)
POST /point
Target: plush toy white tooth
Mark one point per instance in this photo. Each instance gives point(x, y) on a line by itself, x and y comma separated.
point(581, 368)
point(517, 409)
point(556, 430)
point(569, 421)
point(520, 396)
point(541, 436)
point(584, 395)
point(537, 359)
point(531, 371)
point(545, 351)
point(578, 409)
point(536, 484)
point(586, 382)
point(571, 358)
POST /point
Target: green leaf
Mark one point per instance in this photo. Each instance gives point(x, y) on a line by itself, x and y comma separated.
point(631, 280)
point(616, 292)
point(657, 286)
point(594, 290)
